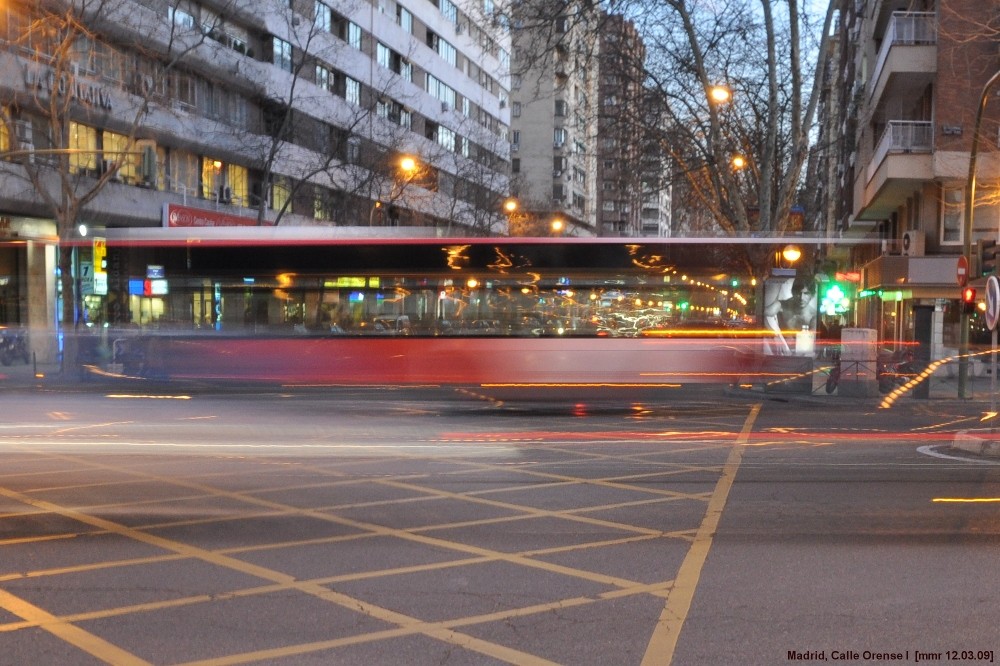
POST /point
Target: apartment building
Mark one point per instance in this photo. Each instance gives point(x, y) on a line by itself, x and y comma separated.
point(621, 132)
point(554, 130)
point(247, 113)
point(912, 78)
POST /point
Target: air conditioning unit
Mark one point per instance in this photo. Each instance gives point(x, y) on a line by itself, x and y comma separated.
point(913, 243)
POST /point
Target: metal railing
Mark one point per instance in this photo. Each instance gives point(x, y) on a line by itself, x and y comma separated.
point(902, 136)
point(904, 29)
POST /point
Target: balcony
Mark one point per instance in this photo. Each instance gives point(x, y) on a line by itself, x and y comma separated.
point(907, 61)
point(902, 161)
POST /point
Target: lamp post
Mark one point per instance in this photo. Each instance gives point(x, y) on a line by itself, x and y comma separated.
point(970, 202)
point(408, 167)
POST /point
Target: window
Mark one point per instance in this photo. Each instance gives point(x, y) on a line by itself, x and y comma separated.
point(354, 35)
point(323, 19)
point(515, 165)
point(559, 136)
point(353, 155)
point(115, 150)
point(83, 139)
point(440, 90)
point(238, 181)
point(561, 108)
point(515, 110)
point(516, 136)
point(352, 91)
point(324, 77)
point(281, 192)
point(952, 214)
point(404, 18)
point(212, 178)
point(446, 138)
point(609, 205)
point(382, 55)
point(183, 15)
point(281, 54)
point(449, 10)
point(448, 52)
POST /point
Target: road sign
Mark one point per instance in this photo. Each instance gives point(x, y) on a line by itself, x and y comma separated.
point(962, 271)
point(992, 301)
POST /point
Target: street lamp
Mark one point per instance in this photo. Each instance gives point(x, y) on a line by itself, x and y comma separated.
point(409, 167)
point(791, 253)
point(719, 94)
point(970, 202)
point(558, 225)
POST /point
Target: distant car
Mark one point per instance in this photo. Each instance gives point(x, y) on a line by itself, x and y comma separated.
point(388, 325)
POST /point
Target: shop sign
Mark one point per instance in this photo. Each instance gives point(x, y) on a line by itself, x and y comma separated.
point(187, 216)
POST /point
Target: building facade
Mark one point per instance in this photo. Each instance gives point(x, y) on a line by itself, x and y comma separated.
point(912, 77)
point(554, 99)
point(164, 113)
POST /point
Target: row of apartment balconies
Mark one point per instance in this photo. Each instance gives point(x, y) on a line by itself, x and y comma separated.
point(901, 151)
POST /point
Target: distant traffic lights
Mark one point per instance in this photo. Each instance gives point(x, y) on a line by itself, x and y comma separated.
point(968, 300)
point(988, 257)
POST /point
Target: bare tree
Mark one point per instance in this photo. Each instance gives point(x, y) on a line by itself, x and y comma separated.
point(66, 46)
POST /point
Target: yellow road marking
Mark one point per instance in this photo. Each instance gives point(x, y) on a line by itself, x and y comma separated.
point(72, 634)
point(663, 642)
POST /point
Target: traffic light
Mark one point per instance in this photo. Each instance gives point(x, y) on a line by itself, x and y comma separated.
point(988, 257)
point(968, 300)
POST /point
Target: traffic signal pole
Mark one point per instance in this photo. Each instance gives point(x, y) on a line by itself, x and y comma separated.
point(970, 201)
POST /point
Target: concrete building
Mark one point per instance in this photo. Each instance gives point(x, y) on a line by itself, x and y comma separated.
point(241, 112)
point(621, 129)
point(554, 97)
point(912, 76)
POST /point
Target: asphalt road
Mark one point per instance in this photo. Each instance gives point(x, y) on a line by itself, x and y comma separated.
point(454, 527)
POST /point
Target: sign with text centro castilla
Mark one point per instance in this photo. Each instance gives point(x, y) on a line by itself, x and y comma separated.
point(992, 301)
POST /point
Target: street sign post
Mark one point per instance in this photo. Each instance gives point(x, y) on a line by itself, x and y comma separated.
point(992, 317)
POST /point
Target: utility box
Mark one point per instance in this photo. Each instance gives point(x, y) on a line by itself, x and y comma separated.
point(858, 344)
point(858, 363)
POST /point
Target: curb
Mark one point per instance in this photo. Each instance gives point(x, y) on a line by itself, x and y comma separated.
point(981, 442)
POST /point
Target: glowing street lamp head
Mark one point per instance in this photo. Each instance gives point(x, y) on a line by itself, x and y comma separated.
point(558, 225)
point(510, 205)
point(719, 94)
point(791, 253)
point(408, 164)
point(738, 162)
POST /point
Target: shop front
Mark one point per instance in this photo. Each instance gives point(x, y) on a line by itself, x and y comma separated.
point(28, 260)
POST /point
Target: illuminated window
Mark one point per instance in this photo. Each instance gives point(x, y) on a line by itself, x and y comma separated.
point(238, 181)
point(281, 191)
point(118, 151)
point(211, 177)
point(82, 139)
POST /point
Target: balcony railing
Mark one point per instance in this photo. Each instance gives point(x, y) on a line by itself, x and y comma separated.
point(902, 136)
point(905, 29)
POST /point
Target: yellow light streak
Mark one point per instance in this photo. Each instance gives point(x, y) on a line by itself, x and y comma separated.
point(965, 500)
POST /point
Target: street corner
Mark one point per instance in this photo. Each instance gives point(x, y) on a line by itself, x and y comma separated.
point(983, 442)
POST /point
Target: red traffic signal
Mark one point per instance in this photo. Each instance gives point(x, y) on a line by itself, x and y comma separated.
point(968, 300)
